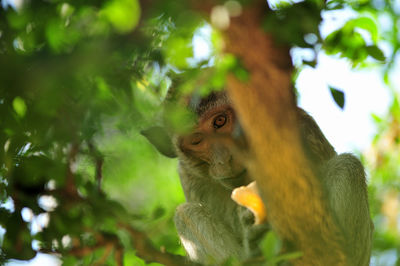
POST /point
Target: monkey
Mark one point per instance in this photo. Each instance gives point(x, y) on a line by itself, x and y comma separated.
point(211, 226)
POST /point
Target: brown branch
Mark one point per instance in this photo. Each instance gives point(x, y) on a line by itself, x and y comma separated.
point(290, 189)
point(83, 251)
point(119, 256)
point(102, 240)
point(99, 172)
point(146, 251)
point(142, 244)
point(108, 249)
point(79, 251)
point(70, 186)
point(99, 160)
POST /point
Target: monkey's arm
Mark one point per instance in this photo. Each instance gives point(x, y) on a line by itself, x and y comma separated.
point(344, 183)
point(205, 238)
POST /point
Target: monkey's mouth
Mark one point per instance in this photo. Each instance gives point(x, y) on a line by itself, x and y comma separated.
point(235, 181)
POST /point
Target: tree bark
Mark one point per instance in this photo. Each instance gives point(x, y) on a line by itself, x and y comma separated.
point(265, 105)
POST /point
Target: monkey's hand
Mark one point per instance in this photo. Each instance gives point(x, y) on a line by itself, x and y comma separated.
point(252, 217)
point(252, 233)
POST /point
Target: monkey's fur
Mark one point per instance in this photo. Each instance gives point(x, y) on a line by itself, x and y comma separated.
point(212, 227)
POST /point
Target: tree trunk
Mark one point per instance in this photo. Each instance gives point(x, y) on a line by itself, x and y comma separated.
point(265, 105)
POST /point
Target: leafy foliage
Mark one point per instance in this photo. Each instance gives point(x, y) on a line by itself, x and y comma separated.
point(300, 19)
point(73, 105)
point(383, 160)
point(79, 81)
point(349, 42)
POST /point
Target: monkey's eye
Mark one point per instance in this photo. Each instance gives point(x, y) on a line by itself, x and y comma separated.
point(219, 121)
point(196, 138)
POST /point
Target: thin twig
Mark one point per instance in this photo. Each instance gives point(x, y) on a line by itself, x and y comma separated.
point(119, 256)
point(146, 251)
point(99, 160)
point(108, 249)
point(70, 186)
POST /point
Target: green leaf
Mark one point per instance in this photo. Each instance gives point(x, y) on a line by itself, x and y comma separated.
point(270, 245)
point(348, 42)
point(158, 212)
point(104, 91)
point(311, 63)
point(122, 14)
point(377, 119)
point(178, 50)
point(365, 23)
point(334, 5)
point(338, 96)
point(159, 137)
point(19, 106)
point(375, 52)
point(60, 37)
point(69, 261)
point(130, 258)
point(179, 119)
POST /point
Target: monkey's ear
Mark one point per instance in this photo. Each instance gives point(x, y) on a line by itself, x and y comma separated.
point(159, 137)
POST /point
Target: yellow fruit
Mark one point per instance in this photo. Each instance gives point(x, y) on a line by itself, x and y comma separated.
point(248, 197)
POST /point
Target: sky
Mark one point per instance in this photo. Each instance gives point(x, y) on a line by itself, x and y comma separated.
point(350, 129)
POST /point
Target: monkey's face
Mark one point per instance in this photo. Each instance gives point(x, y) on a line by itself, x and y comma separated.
point(211, 147)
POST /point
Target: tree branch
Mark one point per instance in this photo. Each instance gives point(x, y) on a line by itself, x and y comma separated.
point(291, 192)
point(70, 186)
point(99, 160)
point(146, 251)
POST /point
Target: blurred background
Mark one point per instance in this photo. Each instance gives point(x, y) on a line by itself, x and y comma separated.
point(80, 80)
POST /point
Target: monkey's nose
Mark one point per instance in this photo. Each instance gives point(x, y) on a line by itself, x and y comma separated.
point(220, 154)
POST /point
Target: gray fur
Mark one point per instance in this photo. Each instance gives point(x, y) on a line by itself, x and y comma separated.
point(345, 187)
point(213, 228)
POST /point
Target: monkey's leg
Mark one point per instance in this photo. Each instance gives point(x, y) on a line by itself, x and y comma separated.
point(205, 238)
point(344, 182)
